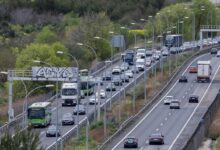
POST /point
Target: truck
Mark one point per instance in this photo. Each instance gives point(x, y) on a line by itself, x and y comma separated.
point(70, 93)
point(173, 40)
point(204, 71)
point(129, 57)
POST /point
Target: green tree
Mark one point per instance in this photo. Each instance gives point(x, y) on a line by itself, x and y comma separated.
point(46, 36)
point(43, 52)
point(23, 140)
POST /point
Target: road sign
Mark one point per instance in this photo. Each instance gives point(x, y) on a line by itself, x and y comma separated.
point(58, 73)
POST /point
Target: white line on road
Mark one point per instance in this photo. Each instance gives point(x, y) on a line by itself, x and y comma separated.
point(154, 105)
point(194, 110)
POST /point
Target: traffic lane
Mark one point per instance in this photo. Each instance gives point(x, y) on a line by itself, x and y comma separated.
point(159, 103)
point(156, 119)
point(66, 129)
point(172, 127)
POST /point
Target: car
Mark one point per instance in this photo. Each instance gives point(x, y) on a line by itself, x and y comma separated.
point(148, 62)
point(107, 76)
point(129, 73)
point(218, 54)
point(167, 100)
point(93, 100)
point(214, 51)
point(102, 94)
point(117, 81)
point(110, 87)
point(156, 138)
point(156, 56)
point(124, 66)
point(124, 78)
point(53, 131)
point(165, 53)
point(116, 71)
point(175, 104)
point(183, 79)
point(67, 119)
point(81, 108)
point(193, 69)
point(140, 64)
point(194, 99)
point(131, 142)
point(134, 69)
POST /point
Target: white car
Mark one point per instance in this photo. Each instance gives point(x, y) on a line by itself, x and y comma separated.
point(167, 100)
point(93, 100)
point(129, 73)
point(165, 53)
point(102, 94)
point(218, 54)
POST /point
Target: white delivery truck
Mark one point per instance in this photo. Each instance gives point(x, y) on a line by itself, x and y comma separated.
point(204, 71)
point(69, 94)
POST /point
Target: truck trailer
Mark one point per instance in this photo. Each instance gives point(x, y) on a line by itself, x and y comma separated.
point(204, 71)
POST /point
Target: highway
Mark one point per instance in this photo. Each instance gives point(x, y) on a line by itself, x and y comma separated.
point(161, 119)
point(48, 141)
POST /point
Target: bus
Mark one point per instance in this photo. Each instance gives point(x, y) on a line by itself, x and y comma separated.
point(39, 114)
point(173, 40)
point(70, 94)
point(87, 85)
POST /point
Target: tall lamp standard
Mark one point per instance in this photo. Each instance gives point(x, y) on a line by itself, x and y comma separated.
point(100, 38)
point(39, 62)
point(93, 50)
point(26, 99)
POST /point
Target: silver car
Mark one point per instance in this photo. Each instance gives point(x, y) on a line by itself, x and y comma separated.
point(52, 131)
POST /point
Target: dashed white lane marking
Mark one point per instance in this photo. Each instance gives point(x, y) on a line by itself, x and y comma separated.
point(157, 129)
point(161, 124)
point(166, 119)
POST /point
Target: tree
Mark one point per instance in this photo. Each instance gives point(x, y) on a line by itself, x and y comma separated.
point(22, 140)
point(43, 52)
point(46, 36)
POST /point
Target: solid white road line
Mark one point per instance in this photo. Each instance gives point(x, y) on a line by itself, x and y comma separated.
point(154, 105)
point(194, 110)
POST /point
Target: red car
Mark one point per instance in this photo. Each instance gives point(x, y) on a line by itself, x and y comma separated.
point(193, 69)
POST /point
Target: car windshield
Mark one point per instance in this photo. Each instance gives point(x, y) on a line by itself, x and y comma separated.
point(67, 116)
point(68, 92)
point(52, 128)
point(156, 136)
point(36, 113)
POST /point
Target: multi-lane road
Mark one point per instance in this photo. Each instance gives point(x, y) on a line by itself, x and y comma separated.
point(161, 119)
point(47, 142)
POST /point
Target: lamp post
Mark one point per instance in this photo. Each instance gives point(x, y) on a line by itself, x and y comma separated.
point(78, 90)
point(93, 50)
point(39, 62)
point(150, 19)
point(135, 36)
point(100, 38)
point(29, 93)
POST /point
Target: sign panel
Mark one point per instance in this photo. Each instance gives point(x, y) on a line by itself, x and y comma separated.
point(118, 41)
point(55, 73)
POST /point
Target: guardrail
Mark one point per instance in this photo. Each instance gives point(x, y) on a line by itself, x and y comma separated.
point(19, 118)
point(155, 99)
point(116, 96)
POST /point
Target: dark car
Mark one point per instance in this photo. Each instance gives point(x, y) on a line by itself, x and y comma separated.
point(107, 76)
point(131, 142)
point(193, 99)
point(175, 104)
point(52, 131)
point(110, 87)
point(117, 81)
point(183, 79)
point(67, 119)
point(156, 138)
point(81, 110)
point(124, 78)
point(214, 51)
